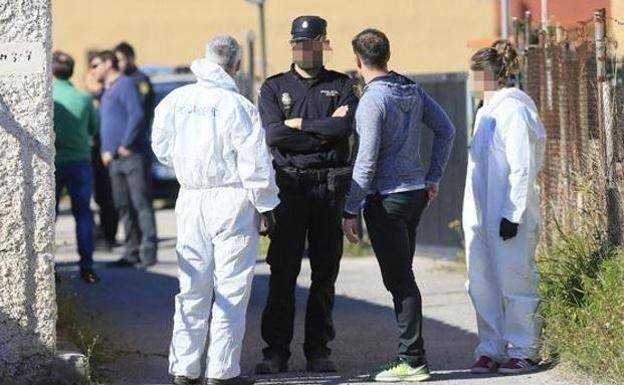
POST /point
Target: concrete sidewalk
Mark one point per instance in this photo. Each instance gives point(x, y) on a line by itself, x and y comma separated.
point(134, 310)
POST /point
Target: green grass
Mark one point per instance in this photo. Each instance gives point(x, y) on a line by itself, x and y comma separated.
point(583, 305)
point(75, 326)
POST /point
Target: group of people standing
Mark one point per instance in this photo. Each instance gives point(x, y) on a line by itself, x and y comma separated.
point(300, 168)
point(102, 144)
point(287, 170)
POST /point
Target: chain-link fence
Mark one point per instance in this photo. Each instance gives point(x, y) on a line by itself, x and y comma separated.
point(571, 75)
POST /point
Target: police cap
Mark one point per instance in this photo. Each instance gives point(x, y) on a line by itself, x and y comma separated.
point(308, 28)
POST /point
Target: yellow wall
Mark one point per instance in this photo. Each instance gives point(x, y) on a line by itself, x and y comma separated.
point(426, 36)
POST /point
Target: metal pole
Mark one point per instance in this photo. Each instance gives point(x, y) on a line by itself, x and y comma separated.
point(526, 41)
point(505, 19)
point(605, 119)
point(263, 40)
point(516, 41)
point(548, 61)
point(251, 40)
point(527, 30)
point(516, 32)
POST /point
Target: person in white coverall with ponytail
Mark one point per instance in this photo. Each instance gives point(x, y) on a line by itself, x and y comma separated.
point(213, 138)
point(501, 216)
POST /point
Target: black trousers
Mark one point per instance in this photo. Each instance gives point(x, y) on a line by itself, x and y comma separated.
point(392, 221)
point(306, 211)
point(130, 184)
point(103, 196)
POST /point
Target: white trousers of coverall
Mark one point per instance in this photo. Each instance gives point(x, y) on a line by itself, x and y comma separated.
point(503, 285)
point(216, 249)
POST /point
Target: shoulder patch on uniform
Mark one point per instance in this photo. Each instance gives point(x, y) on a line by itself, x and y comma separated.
point(144, 88)
point(274, 76)
point(338, 75)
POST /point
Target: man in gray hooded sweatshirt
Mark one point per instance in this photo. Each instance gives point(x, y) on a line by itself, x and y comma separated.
point(391, 181)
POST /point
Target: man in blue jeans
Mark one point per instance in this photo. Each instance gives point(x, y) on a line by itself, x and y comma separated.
point(391, 181)
point(75, 123)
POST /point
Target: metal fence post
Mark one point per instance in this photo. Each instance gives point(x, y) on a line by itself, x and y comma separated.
point(251, 54)
point(526, 42)
point(606, 124)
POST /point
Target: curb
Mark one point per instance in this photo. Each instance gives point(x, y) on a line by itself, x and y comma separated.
point(69, 366)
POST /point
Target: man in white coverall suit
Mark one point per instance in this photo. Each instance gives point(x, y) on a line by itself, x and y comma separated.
point(213, 138)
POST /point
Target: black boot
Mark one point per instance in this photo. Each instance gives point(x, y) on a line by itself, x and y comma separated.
point(272, 365)
point(321, 365)
point(124, 262)
point(230, 381)
point(182, 380)
point(88, 275)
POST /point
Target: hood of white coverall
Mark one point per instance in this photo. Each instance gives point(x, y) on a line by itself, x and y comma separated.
point(210, 74)
point(213, 137)
point(505, 157)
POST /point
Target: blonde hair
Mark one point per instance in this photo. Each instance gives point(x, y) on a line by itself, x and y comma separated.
point(501, 58)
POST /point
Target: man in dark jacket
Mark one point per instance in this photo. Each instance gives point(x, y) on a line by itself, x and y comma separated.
point(307, 113)
point(127, 65)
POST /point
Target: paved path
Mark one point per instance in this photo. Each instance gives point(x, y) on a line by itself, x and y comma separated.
point(134, 311)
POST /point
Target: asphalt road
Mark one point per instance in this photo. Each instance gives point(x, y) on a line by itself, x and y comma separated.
point(133, 311)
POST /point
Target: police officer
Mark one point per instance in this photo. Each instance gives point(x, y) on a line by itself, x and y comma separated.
point(307, 113)
point(127, 65)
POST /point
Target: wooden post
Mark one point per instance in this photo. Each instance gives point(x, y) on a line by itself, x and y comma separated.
point(606, 123)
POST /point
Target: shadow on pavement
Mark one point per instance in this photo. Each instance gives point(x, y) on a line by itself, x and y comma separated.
point(137, 307)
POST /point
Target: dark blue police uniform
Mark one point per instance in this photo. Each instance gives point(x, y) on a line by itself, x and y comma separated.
point(313, 173)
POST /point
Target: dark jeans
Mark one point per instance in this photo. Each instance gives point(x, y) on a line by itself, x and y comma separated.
point(309, 211)
point(103, 195)
point(391, 221)
point(133, 200)
point(77, 177)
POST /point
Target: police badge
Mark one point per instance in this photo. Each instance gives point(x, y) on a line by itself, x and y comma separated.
point(286, 100)
point(144, 88)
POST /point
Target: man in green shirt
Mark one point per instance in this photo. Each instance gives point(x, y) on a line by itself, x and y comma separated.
point(75, 123)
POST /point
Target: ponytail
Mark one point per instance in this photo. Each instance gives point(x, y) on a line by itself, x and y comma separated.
point(501, 58)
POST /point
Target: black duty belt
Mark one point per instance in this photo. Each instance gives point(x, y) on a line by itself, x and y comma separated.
point(338, 179)
point(309, 176)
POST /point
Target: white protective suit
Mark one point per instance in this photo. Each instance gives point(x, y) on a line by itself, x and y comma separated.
point(506, 155)
point(213, 138)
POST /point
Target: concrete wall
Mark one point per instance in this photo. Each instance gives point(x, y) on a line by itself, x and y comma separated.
point(426, 36)
point(27, 298)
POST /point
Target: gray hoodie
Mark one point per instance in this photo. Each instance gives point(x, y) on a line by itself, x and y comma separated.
point(389, 119)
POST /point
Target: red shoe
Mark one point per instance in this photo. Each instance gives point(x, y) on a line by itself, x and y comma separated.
point(485, 365)
point(518, 366)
